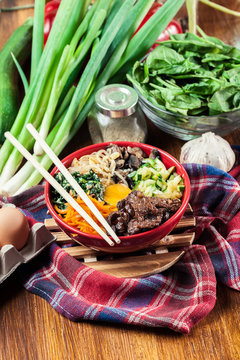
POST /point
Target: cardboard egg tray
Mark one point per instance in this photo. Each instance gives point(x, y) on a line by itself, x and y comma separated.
point(11, 258)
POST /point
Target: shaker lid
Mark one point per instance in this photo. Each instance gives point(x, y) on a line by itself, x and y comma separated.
point(116, 100)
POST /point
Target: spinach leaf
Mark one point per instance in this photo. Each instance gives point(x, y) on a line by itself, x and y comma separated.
point(198, 111)
point(222, 100)
point(209, 57)
point(163, 57)
point(233, 76)
point(190, 75)
point(236, 100)
point(90, 183)
point(167, 83)
point(181, 101)
point(183, 68)
point(217, 43)
point(189, 42)
point(204, 87)
point(139, 73)
point(157, 98)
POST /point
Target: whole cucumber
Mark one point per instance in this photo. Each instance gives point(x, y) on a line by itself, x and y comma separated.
point(19, 44)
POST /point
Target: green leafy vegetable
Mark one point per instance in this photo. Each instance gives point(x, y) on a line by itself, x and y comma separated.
point(190, 75)
point(89, 182)
point(37, 41)
point(21, 73)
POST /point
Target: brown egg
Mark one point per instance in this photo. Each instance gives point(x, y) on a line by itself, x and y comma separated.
point(14, 227)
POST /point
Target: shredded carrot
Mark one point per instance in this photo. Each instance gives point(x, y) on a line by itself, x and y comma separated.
point(71, 216)
point(60, 211)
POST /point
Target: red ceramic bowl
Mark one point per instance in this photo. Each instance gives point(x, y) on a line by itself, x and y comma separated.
point(128, 243)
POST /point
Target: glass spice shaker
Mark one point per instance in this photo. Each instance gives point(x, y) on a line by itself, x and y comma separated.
point(116, 115)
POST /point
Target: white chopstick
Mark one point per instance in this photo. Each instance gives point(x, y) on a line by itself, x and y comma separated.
point(57, 186)
point(72, 181)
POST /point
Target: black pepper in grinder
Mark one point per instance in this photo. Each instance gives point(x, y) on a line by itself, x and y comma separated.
point(116, 115)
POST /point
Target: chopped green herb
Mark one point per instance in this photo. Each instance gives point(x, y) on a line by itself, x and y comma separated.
point(89, 182)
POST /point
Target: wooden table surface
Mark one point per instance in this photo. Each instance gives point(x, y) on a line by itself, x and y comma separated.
point(31, 329)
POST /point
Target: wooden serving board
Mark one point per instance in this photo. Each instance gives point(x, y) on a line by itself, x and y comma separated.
point(156, 258)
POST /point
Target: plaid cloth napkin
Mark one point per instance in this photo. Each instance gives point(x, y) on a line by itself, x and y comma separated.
point(177, 298)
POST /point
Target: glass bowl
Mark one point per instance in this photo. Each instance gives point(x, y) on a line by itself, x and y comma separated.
point(189, 127)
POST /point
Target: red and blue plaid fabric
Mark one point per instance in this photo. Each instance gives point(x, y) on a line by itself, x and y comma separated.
point(177, 298)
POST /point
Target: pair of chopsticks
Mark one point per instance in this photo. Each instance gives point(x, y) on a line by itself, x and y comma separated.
point(59, 188)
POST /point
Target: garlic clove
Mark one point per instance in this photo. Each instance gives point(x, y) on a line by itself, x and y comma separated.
point(209, 149)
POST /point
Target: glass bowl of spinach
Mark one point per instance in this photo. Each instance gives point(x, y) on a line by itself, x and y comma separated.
point(190, 85)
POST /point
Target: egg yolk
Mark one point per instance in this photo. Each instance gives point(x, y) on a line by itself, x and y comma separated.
point(115, 193)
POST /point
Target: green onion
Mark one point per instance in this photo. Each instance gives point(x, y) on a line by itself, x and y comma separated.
point(192, 12)
point(220, 8)
point(19, 181)
point(148, 34)
point(192, 15)
point(62, 105)
point(65, 69)
point(89, 73)
point(37, 38)
point(64, 26)
point(21, 73)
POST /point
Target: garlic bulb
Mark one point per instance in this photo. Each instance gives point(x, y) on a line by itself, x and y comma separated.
point(208, 149)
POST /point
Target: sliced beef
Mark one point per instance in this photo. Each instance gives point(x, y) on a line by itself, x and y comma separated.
point(136, 226)
point(113, 217)
point(171, 205)
point(142, 205)
point(138, 213)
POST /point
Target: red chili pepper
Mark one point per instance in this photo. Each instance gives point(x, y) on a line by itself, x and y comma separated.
point(51, 9)
point(173, 27)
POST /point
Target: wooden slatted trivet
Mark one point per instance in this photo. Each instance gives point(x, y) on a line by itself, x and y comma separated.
point(156, 258)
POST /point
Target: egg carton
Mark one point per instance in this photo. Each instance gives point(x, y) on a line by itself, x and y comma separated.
point(10, 258)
